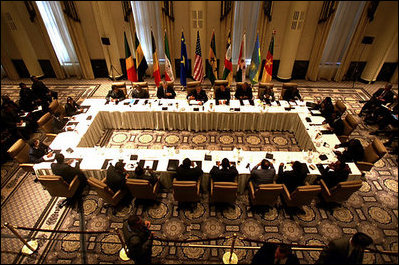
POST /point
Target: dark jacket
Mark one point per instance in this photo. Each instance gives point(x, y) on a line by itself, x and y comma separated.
point(289, 94)
point(188, 174)
point(262, 176)
point(40, 89)
point(227, 175)
point(241, 93)
point(354, 152)
point(115, 179)
point(64, 170)
point(139, 243)
point(200, 97)
point(151, 177)
point(161, 92)
point(36, 154)
point(222, 95)
point(291, 179)
point(26, 100)
point(143, 93)
point(333, 177)
point(70, 109)
point(337, 125)
point(337, 253)
point(118, 95)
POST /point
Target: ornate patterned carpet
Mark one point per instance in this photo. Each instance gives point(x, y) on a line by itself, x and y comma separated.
point(372, 210)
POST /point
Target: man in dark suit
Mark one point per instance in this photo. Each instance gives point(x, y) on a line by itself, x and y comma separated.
point(345, 250)
point(116, 177)
point(381, 96)
point(264, 175)
point(139, 92)
point(267, 95)
point(41, 90)
point(291, 93)
point(336, 124)
point(198, 94)
point(354, 151)
point(37, 151)
point(335, 173)
point(67, 172)
point(227, 173)
point(165, 91)
point(187, 172)
point(293, 178)
point(271, 253)
point(222, 93)
point(115, 94)
point(140, 173)
point(244, 92)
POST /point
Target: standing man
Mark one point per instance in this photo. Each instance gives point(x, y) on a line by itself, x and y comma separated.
point(40, 89)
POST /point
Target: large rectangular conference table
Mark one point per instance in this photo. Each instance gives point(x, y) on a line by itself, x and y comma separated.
point(167, 114)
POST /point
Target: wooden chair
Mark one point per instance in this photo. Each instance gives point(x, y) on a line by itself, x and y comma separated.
point(142, 188)
point(186, 191)
point(57, 108)
point(302, 195)
point(350, 124)
point(20, 152)
point(339, 106)
point(223, 192)
point(58, 187)
point(372, 153)
point(108, 195)
point(341, 192)
point(287, 86)
point(266, 194)
point(121, 86)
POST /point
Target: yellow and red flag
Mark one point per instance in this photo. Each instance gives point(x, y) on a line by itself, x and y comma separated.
point(156, 72)
point(268, 67)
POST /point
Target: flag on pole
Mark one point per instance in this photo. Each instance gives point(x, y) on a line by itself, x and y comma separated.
point(228, 65)
point(141, 62)
point(240, 76)
point(156, 71)
point(268, 67)
point(211, 66)
point(254, 68)
point(198, 67)
point(129, 62)
point(168, 66)
point(183, 62)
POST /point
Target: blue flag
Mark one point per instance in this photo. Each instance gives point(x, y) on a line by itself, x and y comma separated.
point(254, 68)
point(183, 61)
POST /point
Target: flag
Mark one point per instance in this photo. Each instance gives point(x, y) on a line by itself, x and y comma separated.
point(168, 66)
point(268, 68)
point(141, 62)
point(198, 67)
point(211, 66)
point(228, 65)
point(254, 68)
point(183, 61)
point(129, 62)
point(240, 76)
point(156, 73)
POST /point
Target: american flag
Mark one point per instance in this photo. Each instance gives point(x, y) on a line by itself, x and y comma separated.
point(198, 68)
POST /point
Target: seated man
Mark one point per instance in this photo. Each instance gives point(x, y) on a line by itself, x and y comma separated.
point(354, 151)
point(187, 172)
point(222, 93)
point(293, 178)
point(198, 94)
point(383, 115)
point(244, 92)
point(139, 92)
point(381, 96)
point(227, 173)
point(71, 107)
point(165, 91)
point(336, 124)
point(41, 90)
point(335, 173)
point(140, 173)
point(116, 177)
point(27, 100)
point(36, 96)
point(291, 94)
point(267, 95)
point(37, 151)
point(115, 94)
point(264, 175)
point(67, 172)
point(326, 108)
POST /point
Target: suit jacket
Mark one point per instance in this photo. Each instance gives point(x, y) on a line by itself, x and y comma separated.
point(265, 94)
point(40, 89)
point(161, 92)
point(118, 95)
point(70, 109)
point(262, 176)
point(354, 152)
point(290, 95)
point(36, 155)
point(290, 179)
point(151, 177)
point(220, 95)
point(332, 177)
point(227, 175)
point(64, 170)
point(139, 243)
point(200, 97)
point(140, 94)
point(337, 253)
point(115, 179)
point(338, 126)
point(188, 174)
point(240, 92)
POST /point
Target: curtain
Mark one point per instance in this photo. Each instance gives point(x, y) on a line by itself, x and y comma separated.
point(57, 29)
point(147, 15)
point(244, 22)
point(339, 37)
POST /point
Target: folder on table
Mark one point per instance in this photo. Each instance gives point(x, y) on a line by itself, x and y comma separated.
point(172, 165)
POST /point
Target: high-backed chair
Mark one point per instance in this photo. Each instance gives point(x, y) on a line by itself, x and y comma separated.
point(186, 191)
point(142, 188)
point(46, 123)
point(58, 187)
point(302, 195)
point(223, 192)
point(266, 194)
point(341, 192)
point(339, 106)
point(57, 108)
point(287, 86)
point(20, 152)
point(217, 84)
point(192, 85)
point(263, 86)
point(121, 86)
point(372, 153)
point(350, 124)
point(108, 195)
point(141, 84)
